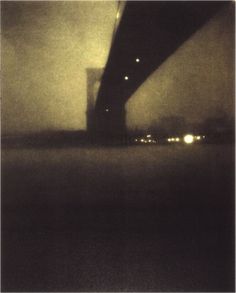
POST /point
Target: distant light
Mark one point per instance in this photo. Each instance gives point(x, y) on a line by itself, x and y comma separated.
point(117, 15)
point(136, 139)
point(137, 60)
point(188, 138)
point(149, 135)
point(177, 139)
point(149, 140)
point(107, 110)
point(169, 139)
point(204, 136)
point(142, 140)
point(198, 137)
point(126, 77)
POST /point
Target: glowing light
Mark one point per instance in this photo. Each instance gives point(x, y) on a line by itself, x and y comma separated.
point(149, 135)
point(136, 140)
point(107, 110)
point(142, 140)
point(177, 139)
point(169, 139)
point(126, 77)
point(198, 137)
point(149, 140)
point(117, 15)
point(137, 60)
point(188, 138)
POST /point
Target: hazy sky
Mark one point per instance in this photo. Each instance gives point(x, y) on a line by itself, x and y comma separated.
point(46, 48)
point(196, 82)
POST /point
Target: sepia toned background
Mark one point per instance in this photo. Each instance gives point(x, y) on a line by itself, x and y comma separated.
point(47, 47)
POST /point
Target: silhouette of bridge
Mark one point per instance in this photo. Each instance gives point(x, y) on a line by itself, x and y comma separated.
point(148, 33)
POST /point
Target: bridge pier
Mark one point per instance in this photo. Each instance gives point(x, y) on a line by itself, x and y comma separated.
point(105, 123)
point(110, 124)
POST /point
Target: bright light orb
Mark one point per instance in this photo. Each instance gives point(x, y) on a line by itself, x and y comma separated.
point(126, 77)
point(107, 110)
point(137, 60)
point(188, 138)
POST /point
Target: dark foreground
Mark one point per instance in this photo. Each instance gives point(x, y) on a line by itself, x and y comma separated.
point(118, 219)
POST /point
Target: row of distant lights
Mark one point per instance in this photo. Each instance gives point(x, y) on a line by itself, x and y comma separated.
point(188, 139)
point(147, 139)
point(126, 77)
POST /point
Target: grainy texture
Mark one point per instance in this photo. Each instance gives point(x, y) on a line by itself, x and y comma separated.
point(196, 82)
point(46, 48)
point(117, 219)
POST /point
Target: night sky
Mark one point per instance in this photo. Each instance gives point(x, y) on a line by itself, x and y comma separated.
point(196, 82)
point(199, 73)
point(150, 30)
point(47, 46)
point(97, 211)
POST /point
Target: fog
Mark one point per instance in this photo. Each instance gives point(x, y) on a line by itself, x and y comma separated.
point(196, 82)
point(133, 219)
point(46, 48)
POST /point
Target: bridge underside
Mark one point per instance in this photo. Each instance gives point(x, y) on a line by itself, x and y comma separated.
point(151, 31)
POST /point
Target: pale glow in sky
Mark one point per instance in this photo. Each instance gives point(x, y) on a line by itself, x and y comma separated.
point(196, 82)
point(46, 48)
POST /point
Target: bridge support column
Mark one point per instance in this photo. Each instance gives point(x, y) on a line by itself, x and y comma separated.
point(110, 124)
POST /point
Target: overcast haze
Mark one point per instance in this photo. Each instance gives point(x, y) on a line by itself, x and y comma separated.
point(196, 82)
point(46, 48)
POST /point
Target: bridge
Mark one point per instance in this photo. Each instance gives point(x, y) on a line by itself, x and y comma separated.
point(148, 33)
